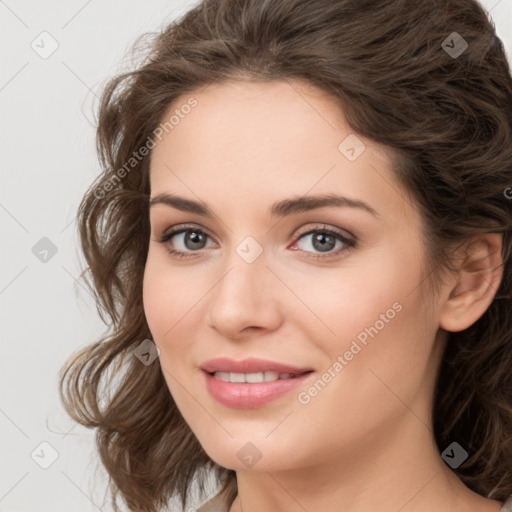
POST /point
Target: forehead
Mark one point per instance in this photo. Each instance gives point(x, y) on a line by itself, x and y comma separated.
point(268, 139)
point(246, 119)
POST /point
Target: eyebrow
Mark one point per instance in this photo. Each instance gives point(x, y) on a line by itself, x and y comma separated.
point(279, 209)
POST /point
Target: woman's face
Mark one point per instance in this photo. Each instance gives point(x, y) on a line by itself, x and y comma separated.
point(256, 282)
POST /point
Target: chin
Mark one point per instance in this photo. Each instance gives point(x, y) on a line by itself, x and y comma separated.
point(240, 454)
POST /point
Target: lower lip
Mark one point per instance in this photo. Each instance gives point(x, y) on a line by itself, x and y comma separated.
point(245, 395)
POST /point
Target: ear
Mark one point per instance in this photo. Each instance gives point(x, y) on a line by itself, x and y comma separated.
point(478, 278)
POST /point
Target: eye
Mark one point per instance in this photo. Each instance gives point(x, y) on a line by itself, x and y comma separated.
point(324, 240)
point(188, 238)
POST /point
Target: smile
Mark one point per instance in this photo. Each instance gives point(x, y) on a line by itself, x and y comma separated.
point(254, 377)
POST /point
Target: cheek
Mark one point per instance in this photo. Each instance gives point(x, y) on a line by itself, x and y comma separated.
point(378, 326)
point(381, 347)
point(157, 297)
point(174, 299)
point(166, 301)
point(373, 295)
point(167, 294)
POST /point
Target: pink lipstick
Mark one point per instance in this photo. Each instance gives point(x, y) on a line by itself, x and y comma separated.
point(252, 382)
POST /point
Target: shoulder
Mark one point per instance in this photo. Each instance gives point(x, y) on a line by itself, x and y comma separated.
point(507, 506)
point(216, 504)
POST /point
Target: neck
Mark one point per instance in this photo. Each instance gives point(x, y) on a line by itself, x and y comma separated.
point(398, 471)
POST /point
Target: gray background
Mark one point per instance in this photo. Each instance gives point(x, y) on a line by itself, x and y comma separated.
point(48, 160)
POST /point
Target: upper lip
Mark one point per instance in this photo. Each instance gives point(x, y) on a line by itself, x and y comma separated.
point(250, 365)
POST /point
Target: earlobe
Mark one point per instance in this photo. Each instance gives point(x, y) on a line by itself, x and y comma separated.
point(478, 279)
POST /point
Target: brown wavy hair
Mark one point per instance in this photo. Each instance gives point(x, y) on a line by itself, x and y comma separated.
point(448, 121)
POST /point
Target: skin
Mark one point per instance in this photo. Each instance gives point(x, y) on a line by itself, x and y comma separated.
point(365, 441)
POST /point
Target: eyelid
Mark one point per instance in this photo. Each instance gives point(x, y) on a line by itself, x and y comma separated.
point(326, 227)
point(180, 228)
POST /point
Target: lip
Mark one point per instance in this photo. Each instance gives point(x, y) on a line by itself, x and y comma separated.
point(249, 365)
point(247, 395)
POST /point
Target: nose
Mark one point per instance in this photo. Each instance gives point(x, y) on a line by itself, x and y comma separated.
point(245, 300)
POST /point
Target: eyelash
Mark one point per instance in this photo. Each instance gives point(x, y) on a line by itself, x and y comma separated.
point(349, 243)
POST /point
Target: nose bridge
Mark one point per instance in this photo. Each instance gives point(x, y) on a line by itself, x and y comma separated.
point(244, 296)
point(247, 274)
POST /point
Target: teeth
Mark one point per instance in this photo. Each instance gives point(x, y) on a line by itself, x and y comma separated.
point(236, 377)
point(252, 377)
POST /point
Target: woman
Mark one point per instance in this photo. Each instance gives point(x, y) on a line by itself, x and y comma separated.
point(302, 240)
